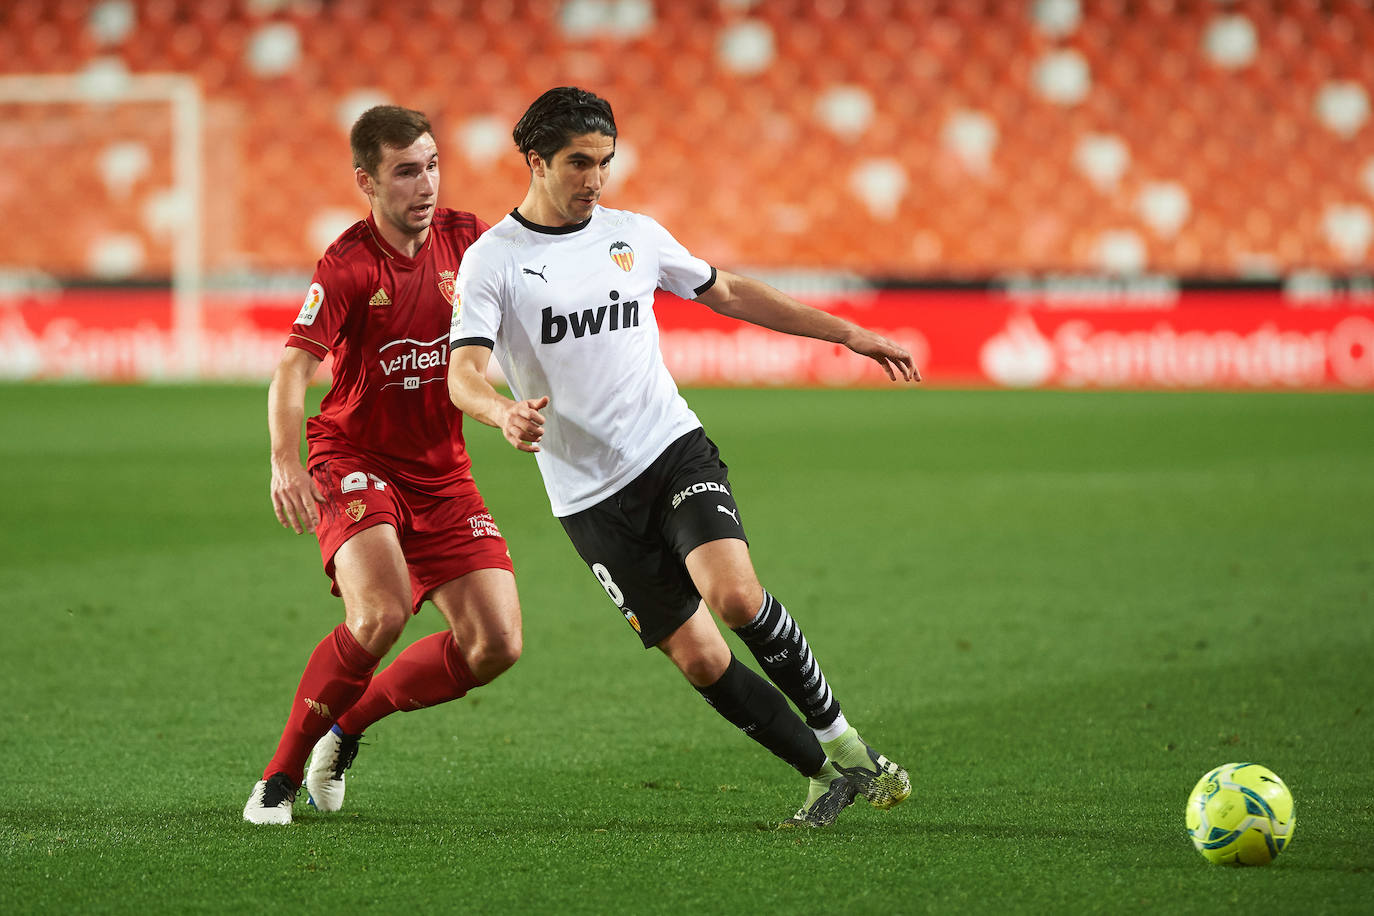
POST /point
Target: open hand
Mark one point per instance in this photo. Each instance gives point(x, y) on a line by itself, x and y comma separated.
point(893, 357)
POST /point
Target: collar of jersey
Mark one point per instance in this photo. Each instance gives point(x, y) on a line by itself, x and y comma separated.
point(392, 253)
point(549, 230)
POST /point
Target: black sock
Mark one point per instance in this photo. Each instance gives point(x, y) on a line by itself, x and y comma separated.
point(752, 704)
point(777, 642)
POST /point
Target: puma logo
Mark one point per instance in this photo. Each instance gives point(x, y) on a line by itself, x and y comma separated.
point(537, 273)
point(728, 512)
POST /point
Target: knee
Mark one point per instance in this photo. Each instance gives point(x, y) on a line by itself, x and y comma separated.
point(701, 661)
point(703, 670)
point(736, 603)
point(494, 654)
point(377, 625)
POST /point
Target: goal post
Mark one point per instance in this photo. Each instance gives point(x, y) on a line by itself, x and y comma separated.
point(183, 96)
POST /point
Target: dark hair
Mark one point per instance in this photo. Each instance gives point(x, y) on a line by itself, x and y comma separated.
point(559, 115)
point(384, 125)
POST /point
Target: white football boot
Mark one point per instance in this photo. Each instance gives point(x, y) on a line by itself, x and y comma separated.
point(324, 777)
point(271, 801)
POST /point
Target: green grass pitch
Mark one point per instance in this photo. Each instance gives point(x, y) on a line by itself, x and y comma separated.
point(1057, 609)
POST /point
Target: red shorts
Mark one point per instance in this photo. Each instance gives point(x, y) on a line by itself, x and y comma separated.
point(442, 537)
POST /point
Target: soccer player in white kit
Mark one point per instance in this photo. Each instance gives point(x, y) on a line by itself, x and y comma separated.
point(561, 292)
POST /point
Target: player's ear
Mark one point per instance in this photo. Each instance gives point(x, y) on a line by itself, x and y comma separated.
point(535, 162)
point(364, 181)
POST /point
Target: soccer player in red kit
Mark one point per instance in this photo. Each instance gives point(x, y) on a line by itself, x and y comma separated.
point(388, 490)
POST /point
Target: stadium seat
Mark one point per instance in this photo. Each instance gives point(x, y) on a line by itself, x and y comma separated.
point(1241, 133)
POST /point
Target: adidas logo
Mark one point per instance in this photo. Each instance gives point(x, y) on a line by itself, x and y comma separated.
point(379, 298)
point(320, 709)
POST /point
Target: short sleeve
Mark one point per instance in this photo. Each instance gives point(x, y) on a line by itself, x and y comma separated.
point(319, 325)
point(477, 306)
point(679, 272)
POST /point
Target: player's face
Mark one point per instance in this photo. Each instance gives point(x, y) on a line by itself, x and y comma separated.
point(570, 183)
point(406, 186)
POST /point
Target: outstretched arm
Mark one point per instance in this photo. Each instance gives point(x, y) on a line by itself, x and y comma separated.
point(758, 303)
point(519, 421)
point(295, 497)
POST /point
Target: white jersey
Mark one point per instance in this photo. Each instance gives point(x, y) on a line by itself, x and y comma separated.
point(569, 313)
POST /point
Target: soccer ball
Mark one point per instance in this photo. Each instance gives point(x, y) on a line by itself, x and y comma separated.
point(1240, 814)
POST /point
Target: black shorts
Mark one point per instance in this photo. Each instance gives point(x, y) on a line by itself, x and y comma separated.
point(636, 541)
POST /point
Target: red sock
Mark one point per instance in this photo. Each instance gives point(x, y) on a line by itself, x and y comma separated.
point(336, 675)
point(429, 672)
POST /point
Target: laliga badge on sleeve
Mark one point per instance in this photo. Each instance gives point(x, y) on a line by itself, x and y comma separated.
point(311, 307)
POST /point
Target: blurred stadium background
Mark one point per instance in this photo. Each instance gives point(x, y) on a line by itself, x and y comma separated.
point(1156, 193)
point(1053, 602)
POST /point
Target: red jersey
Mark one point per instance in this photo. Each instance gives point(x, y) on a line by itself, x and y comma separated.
point(385, 318)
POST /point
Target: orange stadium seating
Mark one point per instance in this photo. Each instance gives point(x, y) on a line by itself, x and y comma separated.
point(911, 138)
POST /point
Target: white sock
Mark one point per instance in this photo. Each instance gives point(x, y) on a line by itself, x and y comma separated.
point(833, 730)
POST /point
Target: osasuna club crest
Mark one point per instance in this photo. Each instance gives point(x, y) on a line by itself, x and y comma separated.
point(623, 255)
point(448, 284)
